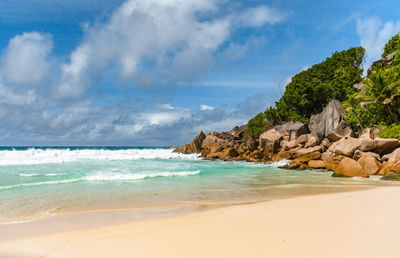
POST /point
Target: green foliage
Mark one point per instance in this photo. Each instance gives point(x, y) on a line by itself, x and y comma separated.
point(370, 116)
point(392, 45)
point(377, 103)
point(257, 125)
point(382, 89)
point(390, 131)
point(396, 60)
point(311, 90)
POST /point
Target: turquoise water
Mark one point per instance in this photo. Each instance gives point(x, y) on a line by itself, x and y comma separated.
point(38, 182)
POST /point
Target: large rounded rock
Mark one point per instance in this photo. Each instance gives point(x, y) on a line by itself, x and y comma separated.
point(330, 122)
point(392, 164)
point(370, 164)
point(330, 164)
point(292, 130)
point(270, 141)
point(358, 154)
point(349, 168)
point(385, 146)
point(331, 160)
point(346, 146)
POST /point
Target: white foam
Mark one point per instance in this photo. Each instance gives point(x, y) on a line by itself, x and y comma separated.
point(121, 176)
point(28, 175)
point(107, 177)
point(40, 183)
point(43, 156)
point(279, 163)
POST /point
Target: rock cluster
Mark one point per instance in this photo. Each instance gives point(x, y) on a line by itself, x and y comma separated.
point(194, 146)
point(326, 143)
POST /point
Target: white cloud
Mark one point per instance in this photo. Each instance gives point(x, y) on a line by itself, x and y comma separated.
point(163, 118)
point(166, 106)
point(374, 34)
point(9, 97)
point(206, 107)
point(25, 60)
point(260, 15)
point(152, 42)
point(157, 42)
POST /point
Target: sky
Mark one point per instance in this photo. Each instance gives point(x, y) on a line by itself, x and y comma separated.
point(156, 72)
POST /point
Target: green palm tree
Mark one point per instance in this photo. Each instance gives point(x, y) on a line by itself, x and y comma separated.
point(381, 89)
point(350, 106)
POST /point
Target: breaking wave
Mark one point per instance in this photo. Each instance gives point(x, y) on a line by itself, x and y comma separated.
point(42, 156)
point(106, 177)
point(121, 177)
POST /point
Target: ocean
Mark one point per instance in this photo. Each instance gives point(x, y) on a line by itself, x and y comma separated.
point(37, 182)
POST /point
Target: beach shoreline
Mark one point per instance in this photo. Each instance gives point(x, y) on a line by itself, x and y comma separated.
point(70, 220)
point(335, 224)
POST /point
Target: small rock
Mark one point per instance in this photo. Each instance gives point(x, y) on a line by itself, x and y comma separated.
point(316, 164)
point(310, 156)
point(304, 151)
point(312, 141)
point(391, 176)
point(358, 154)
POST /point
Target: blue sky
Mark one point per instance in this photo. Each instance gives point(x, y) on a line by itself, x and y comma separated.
point(155, 72)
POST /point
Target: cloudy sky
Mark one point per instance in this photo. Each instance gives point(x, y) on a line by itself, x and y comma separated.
point(155, 72)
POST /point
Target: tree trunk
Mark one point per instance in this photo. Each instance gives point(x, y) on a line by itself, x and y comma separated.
point(393, 118)
point(358, 119)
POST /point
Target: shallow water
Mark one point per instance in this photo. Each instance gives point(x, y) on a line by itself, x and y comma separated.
point(38, 182)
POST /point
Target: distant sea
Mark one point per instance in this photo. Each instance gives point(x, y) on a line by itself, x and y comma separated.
point(37, 182)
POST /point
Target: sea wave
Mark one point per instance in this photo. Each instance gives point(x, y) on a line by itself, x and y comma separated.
point(39, 183)
point(28, 175)
point(106, 177)
point(44, 156)
point(122, 177)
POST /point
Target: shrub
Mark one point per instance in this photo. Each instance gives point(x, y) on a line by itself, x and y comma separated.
point(390, 131)
point(257, 125)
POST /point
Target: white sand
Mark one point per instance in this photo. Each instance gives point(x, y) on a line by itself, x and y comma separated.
point(351, 224)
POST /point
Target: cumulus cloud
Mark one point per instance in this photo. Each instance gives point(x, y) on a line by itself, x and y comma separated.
point(158, 42)
point(260, 15)
point(374, 34)
point(146, 44)
point(25, 59)
point(206, 107)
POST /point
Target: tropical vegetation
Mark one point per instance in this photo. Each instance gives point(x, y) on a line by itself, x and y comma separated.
point(375, 103)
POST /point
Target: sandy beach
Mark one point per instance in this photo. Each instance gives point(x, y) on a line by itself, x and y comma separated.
point(350, 224)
